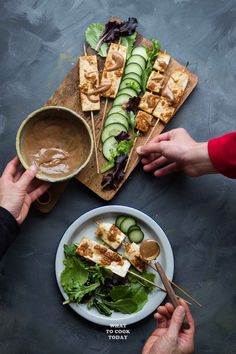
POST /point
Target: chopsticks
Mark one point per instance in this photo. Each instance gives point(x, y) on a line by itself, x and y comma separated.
point(170, 291)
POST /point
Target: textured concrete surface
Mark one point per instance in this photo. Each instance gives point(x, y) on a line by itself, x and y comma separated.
point(39, 43)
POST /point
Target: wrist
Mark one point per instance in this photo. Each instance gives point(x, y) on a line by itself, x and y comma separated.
point(198, 160)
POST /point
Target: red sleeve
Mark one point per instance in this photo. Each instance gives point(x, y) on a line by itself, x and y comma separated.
point(222, 152)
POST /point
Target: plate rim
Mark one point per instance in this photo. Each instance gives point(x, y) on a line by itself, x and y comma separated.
point(138, 316)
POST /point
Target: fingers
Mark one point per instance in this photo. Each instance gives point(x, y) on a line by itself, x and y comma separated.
point(166, 170)
point(162, 320)
point(35, 194)
point(147, 159)
point(27, 177)
point(11, 168)
point(148, 149)
point(162, 137)
point(189, 316)
point(160, 161)
point(176, 322)
point(163, 315)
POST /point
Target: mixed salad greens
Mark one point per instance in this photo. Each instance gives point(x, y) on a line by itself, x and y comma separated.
point(88, 283)
point(119, 134)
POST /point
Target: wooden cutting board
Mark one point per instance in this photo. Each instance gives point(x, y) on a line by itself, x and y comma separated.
point(67, 95)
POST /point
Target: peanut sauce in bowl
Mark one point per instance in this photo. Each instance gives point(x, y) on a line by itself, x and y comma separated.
point(57, 141)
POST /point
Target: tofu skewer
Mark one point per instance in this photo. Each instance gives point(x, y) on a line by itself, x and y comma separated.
point(103, 256)
point(114, 68)
point(90, 108)
point(110, 234)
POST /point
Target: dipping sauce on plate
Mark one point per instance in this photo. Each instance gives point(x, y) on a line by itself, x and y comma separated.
point(56, 145)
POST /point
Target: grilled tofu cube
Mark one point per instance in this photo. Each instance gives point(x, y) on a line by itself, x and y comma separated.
point(177, 84)
point(155, 82)
point(148, 102)
point(143, 121)
point(103, 256)
point(110, 234)
point(164, 111)
point(117, 54)
point(89, 80)
point(162, 62)
point(132, 253)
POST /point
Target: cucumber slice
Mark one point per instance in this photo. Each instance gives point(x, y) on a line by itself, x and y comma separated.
point(133, 76)
point(133, 68)
point(127, 83)
point(121, 99)
point(126, 223)
point(134, 227)
point(118, 109)
point(117, 118)
point(128, 91)
point(119, 220)
point(136, 236)
point(112, 130)
point(140, 51)
point(137, 59)
point(109, 147)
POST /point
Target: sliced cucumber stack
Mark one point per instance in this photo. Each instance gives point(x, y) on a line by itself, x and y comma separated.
point(136, 236)
point(119, 220)
point(109, 147)
point(112, 130)
point(128, 225)
point(118, 109)
point(117, 119)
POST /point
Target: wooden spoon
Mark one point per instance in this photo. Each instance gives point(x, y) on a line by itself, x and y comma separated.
point(149, 250)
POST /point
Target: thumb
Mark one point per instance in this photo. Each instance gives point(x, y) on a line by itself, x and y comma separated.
point(27, 177)
point(176, 322)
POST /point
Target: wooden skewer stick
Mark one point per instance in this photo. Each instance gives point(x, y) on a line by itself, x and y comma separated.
point(94, 138)
point(93, 128)
point(157, 286)
point(146, 141)
point(130, 154)
point(148, 281)
point(170, 291)
point(179, 288)
point(102, 122)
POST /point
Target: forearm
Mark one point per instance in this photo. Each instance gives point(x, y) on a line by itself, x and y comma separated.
point(8, 230)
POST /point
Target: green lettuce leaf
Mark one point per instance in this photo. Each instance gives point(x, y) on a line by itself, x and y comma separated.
point(127, 305)
point(92, 35)
point(128, 42)
point(152, 54)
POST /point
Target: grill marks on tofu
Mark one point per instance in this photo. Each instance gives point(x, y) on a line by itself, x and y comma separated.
point(148, 102)
point(116, 51)
point(143, 121)
point(162, 62)
point(177, 84)
point(103, 256)
point(89, 81)
point(132, 253)
point(155, 82)
point(164, 111)
point(110, 234)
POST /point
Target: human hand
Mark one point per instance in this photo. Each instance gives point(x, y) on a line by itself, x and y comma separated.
point(176, 151)
point(18, 189)
point(169, 337)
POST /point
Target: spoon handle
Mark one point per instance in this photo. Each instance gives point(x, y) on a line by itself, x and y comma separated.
point(170, 291)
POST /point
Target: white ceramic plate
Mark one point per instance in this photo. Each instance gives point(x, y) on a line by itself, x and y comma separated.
point(86, 226)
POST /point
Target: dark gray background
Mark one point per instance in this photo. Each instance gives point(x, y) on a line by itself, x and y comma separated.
point(40, 42)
